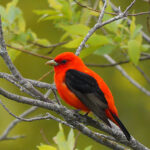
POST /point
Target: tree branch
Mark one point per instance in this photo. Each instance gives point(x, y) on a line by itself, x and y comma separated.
point(117, 63)
point(124, 73)
point(99, 25)
point(29, 52)
point(75, 119)
point(26, 84)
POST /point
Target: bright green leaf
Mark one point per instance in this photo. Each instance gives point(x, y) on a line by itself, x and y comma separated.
point(43, 42)
point(71, 140)
point(13, 54)
point(60, 139)
point(76, 29)
point(74, 43)
point(137, 31)
point(66, 10)
point(2, 12)
point(12, 3)
point(106, 49)
point(88, 148)
point(87, 51)
point(97, 40)
point(21, 24)
point(134, 51)
point(13, 13)
point(55, 4)
point(46, 147)
point(44, 12)
point(132, 26)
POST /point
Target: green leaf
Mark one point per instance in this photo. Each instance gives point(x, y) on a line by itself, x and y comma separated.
point(66, 10)
point(55, 4)
point(44, 12)
point(71, 140)
point(2, 12)
point(43, 41)
point(74, 43)
point(12, 3)
point(87, 51)
point(137, 30)
point(46, 147)
point(132, 26)
point(22, 38)
point(76, 29)
point(60, 139)
point(12, 14)
point(134, 51)
point(13, 54)
point(88, 148)
point(97, 40)
point(21, 24)
point(106, 49)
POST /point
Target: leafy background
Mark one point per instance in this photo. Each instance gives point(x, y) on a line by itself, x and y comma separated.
point(26, 18)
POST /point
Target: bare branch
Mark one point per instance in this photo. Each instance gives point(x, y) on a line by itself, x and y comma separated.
point(26, 84)
point(99, 25)
point(29, 52)
point(117, 63)
point(14, 123)
point(145, 36)
point(124, 73)
point(129, 7)
point(111, 13)
point(74, 118)
point(102, 12)
point(142, 73)
point(47, 116)
point(33, 82)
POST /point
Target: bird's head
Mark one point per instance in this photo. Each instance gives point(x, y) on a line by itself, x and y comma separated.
point(66, 60)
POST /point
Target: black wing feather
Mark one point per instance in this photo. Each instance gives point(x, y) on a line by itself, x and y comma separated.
point(86, 88)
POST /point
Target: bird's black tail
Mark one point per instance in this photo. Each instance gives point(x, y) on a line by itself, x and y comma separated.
point(122, 127)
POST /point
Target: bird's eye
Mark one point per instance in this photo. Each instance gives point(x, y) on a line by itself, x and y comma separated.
point(63, 61)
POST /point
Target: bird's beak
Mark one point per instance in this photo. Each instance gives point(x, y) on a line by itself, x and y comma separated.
point(52, 63)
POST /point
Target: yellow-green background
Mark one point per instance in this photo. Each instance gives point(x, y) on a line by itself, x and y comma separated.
point(132, 104)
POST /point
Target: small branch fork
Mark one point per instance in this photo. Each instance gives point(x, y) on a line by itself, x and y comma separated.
point(137, 14)
point(100, 24)
point(72, 119)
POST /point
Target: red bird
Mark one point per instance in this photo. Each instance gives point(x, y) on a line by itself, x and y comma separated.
point(85, 90)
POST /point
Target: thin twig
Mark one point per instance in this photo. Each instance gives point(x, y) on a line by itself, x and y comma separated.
point(47, 116)
point(26, 84)
point(29, 52)
point(117, 63)
point(33, 82)
point(76, 139)
point(102, 12)
point(111, 13)
point(124, 73)
point(144, 75)
point(99, 25)
point(44, 137)
point(45, 75)
point(145, 36)
point(15, 122)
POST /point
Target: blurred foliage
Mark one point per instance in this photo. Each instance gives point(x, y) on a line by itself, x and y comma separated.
point(15, 29)
point(59, 21)
point(62, 142)
point(116, 35)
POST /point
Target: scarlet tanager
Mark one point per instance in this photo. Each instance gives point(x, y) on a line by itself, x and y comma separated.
point(85, 90)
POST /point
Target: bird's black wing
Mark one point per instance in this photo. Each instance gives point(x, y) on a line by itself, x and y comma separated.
point(86, 88)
